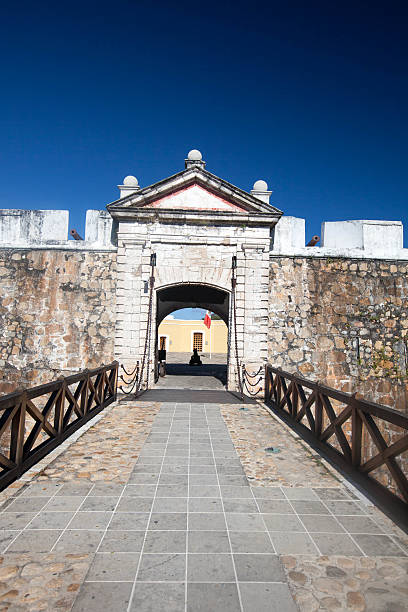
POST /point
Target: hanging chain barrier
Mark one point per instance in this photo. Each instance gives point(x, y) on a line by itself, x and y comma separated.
point(233, 323)
point(248, 380)
point(135, 383)
point(129, 373)
point(129, 384)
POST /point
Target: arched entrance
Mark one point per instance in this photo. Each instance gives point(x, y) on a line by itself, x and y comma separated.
point(214, 371)
point(204, 235)
point(192, 295)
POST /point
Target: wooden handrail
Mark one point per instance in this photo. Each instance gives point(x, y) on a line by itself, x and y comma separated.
point(350, 435)
point(65, 405)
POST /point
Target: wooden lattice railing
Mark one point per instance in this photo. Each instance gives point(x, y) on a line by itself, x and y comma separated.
point(367, 441)
point(33, 422)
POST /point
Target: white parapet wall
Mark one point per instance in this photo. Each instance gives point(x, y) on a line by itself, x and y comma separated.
point(289, 232)
point(383, 238)
point(98, 227)
point(19, 227)
point(49, 229)
point(360, 239)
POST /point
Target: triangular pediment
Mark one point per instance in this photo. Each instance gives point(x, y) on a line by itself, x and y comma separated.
point(195, 197)
point(193, 190)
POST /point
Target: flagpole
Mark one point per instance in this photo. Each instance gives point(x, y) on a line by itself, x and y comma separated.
point(210, 339)
point(207, 319)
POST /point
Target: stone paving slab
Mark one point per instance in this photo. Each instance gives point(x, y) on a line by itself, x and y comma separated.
point(187, 554)
point(50, 581)
point(178, 524)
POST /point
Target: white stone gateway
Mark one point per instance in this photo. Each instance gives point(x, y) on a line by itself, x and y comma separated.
point(195, 223)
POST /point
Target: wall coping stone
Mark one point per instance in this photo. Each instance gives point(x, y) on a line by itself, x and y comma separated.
point(355, 239)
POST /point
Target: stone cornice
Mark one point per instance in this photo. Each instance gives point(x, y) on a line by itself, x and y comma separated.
point(134, 203)
point(195, 217)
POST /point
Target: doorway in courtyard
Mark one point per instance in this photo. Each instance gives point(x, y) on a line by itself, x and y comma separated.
point(182, 333)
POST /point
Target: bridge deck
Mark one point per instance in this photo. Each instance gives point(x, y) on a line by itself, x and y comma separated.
point(167, 506)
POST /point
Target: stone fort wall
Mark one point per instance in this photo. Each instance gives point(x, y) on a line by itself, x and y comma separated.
point(337, 313)
point(342, 321)
point(57, 313)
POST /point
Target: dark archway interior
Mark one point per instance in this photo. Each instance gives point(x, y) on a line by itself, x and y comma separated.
point(193, 295)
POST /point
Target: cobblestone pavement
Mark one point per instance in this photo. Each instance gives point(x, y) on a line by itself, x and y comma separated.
point(123, 432)
point(252, 430)
point(46, 581)
point(172, 518)
point(348, 583)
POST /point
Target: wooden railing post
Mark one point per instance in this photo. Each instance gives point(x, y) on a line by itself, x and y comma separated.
point(102, 386)
point(84, 393)
point(59, 407)
point(267, 384)
point(115, 378)
point(318, 412)
point(356, 434)
point(87, 391)
point(278, 390)
point(18, 431)
point(295, 400)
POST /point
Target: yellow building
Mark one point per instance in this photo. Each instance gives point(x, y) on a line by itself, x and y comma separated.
point(177, 336)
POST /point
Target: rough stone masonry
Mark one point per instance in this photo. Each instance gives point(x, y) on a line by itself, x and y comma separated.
point(57, 313)
point(337, 313)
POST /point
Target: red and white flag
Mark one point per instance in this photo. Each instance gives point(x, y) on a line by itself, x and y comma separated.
point(207, 319)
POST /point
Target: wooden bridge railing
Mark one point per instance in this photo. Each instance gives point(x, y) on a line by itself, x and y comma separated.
point(33, 422)
point(366, 441)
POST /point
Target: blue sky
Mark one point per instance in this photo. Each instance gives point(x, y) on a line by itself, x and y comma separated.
point(311, 97)
point(189, 314)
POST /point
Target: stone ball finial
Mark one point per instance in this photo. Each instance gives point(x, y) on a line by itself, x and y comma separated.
point(130, 181)
point(194, 155)
point(260, 186)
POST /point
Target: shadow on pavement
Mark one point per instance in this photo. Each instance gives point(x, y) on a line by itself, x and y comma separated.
point(218, 371)
point(181, 396)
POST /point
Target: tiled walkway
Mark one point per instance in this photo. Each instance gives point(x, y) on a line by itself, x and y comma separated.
point(189, 533)
point(187, 528)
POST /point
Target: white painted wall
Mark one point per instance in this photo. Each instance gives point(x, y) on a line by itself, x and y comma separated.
point(381, 237)
point(19, 227)
point(99, 227)
point(49, 229)
point(359, 239)
point(289, 232)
